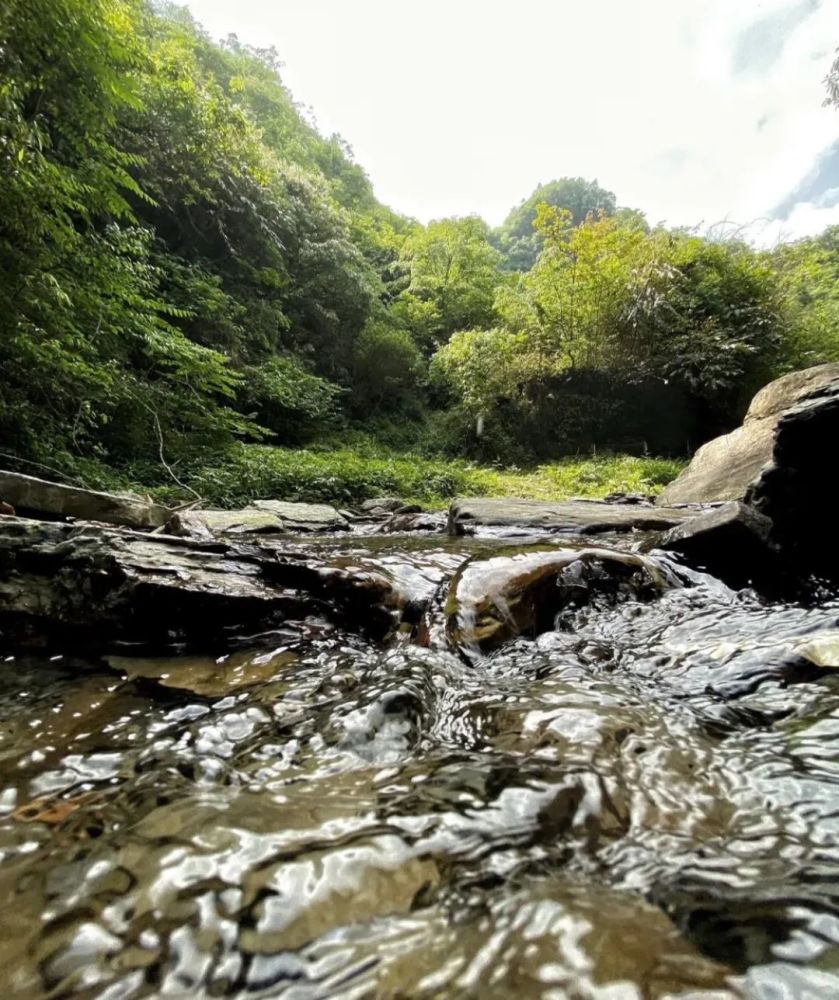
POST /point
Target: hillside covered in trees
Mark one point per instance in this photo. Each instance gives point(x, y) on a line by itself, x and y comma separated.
point(191, 273)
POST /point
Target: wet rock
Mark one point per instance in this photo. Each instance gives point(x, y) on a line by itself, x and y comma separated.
point(794, 490)
point(382, 504)
point(728, 467)
point(493, 600)
point(405, 522)
point(730, 542)
point(581, 517)
point(28, 494)
point(263, 517)
point(206, 524)
point(304, 517)
point(92, 587)
point(644, 499)
point(821, 650)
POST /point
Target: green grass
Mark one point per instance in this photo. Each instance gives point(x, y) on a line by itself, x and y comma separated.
point(584, 477)
point(346, 476)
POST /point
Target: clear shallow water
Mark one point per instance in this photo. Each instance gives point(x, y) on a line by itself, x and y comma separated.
point(644, 804)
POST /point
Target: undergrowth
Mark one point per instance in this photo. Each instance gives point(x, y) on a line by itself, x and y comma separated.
point(345, 476)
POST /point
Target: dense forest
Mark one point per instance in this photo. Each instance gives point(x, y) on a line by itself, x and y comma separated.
point(191, 274)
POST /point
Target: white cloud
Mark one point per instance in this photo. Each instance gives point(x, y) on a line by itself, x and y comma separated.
point(458, 106)
point(805, 219)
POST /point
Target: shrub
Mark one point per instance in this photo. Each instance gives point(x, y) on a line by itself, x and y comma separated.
point(288, 400)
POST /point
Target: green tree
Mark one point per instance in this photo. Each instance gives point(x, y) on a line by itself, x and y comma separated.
point(387, 370)
point(517, 238)
point(453, 278)
point(608, 305)
point(289, 400)
point(167, 228)
point(808, 272)
point(84, 328)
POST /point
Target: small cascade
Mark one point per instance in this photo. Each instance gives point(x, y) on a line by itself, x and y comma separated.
point(552, 768)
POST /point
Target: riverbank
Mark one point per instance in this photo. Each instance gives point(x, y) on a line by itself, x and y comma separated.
point(344, 476)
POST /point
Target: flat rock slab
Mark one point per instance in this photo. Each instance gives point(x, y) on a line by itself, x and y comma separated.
point(206, 524)
point(26, 493)
point(579, 517)
point(263, 517)
point(83, 587)
point(304, 516)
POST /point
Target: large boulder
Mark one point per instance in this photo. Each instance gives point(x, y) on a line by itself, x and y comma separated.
point(779, 464)
point(795, 491)
point(729, 466)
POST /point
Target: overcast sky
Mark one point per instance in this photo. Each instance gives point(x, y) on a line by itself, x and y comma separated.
point(694, 111)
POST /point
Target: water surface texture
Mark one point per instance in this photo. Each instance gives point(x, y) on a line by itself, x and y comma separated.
point(643, 802)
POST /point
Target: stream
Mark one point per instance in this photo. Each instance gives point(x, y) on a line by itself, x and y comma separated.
point(641, 803)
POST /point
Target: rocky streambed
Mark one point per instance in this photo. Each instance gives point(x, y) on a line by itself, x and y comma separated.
point(554, 769)
point(526, 750)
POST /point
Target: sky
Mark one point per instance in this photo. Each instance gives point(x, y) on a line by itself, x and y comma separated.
point(697, 112)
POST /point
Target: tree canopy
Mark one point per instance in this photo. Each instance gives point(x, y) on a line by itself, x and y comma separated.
point(518, 237)
point(185, 261)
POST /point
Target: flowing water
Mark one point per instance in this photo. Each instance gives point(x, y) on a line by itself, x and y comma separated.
point(643, 802)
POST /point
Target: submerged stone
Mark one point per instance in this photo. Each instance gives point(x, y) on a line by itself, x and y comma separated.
point(822, 649)
point(210, 677)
